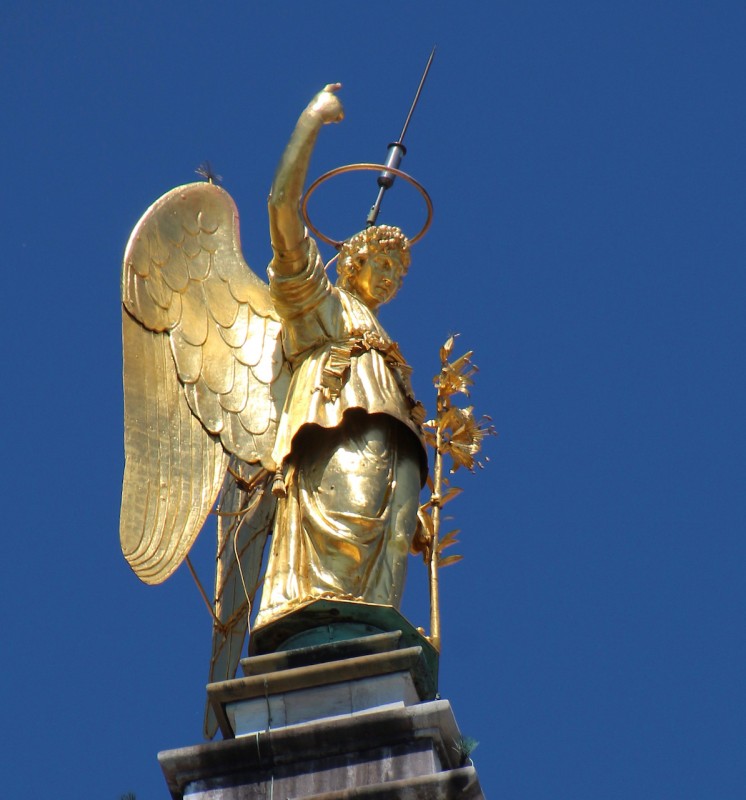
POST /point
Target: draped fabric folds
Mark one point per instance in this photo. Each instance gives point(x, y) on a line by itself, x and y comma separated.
point(349, 449)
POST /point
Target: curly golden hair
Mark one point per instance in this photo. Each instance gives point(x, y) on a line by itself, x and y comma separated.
point(376, 239)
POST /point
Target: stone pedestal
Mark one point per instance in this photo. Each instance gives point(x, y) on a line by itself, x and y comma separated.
point(346, 719)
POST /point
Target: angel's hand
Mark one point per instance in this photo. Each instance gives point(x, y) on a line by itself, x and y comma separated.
point(327, 105)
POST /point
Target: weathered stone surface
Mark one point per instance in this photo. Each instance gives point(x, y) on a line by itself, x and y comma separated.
point(332, 700)
point(321, 681)
point(331, 721)
point(318, 674)
point(457, 783)
point(412, 744)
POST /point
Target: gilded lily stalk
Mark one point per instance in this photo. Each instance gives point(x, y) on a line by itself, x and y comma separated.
point(455, 433)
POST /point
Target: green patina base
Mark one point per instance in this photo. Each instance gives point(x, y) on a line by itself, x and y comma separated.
point(322, 622)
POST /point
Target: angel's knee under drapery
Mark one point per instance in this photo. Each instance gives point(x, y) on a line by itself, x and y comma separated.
point(345, 527)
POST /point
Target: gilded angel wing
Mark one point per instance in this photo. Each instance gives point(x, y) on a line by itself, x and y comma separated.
point(204, 374)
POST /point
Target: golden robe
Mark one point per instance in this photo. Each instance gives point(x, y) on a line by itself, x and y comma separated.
point(349, 450)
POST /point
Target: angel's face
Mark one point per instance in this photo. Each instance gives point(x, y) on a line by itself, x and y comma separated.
point(379, 277)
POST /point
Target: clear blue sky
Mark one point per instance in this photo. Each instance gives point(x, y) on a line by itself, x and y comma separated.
point(587, 161)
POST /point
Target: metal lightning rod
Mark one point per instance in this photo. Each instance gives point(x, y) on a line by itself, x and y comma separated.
point(396, 151)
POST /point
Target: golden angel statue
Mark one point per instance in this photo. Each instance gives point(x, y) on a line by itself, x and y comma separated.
point(287, 403)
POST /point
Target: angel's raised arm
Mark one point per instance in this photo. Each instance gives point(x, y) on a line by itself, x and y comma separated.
point(286, 228)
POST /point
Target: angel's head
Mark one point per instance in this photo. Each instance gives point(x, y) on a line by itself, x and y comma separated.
point(372, 264)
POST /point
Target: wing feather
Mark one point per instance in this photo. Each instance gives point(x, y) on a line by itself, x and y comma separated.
point(175, 271)
point(218, 372)
point(240, 441)
point(235, 399)
point(256, 414)
point(159, 254)
point(154, 316)
point(247, 353)
point(194, 321)
point(171, 227)
point(235, 335)
point(222, 304)
point(187, 356)
point(205, 405)
point(267, 368)
point(199, 267)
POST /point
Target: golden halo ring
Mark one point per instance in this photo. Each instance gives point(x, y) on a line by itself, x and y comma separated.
point(364, 168)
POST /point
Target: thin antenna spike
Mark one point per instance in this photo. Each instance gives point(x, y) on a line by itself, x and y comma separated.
point(397, 151)
point(417, 95)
